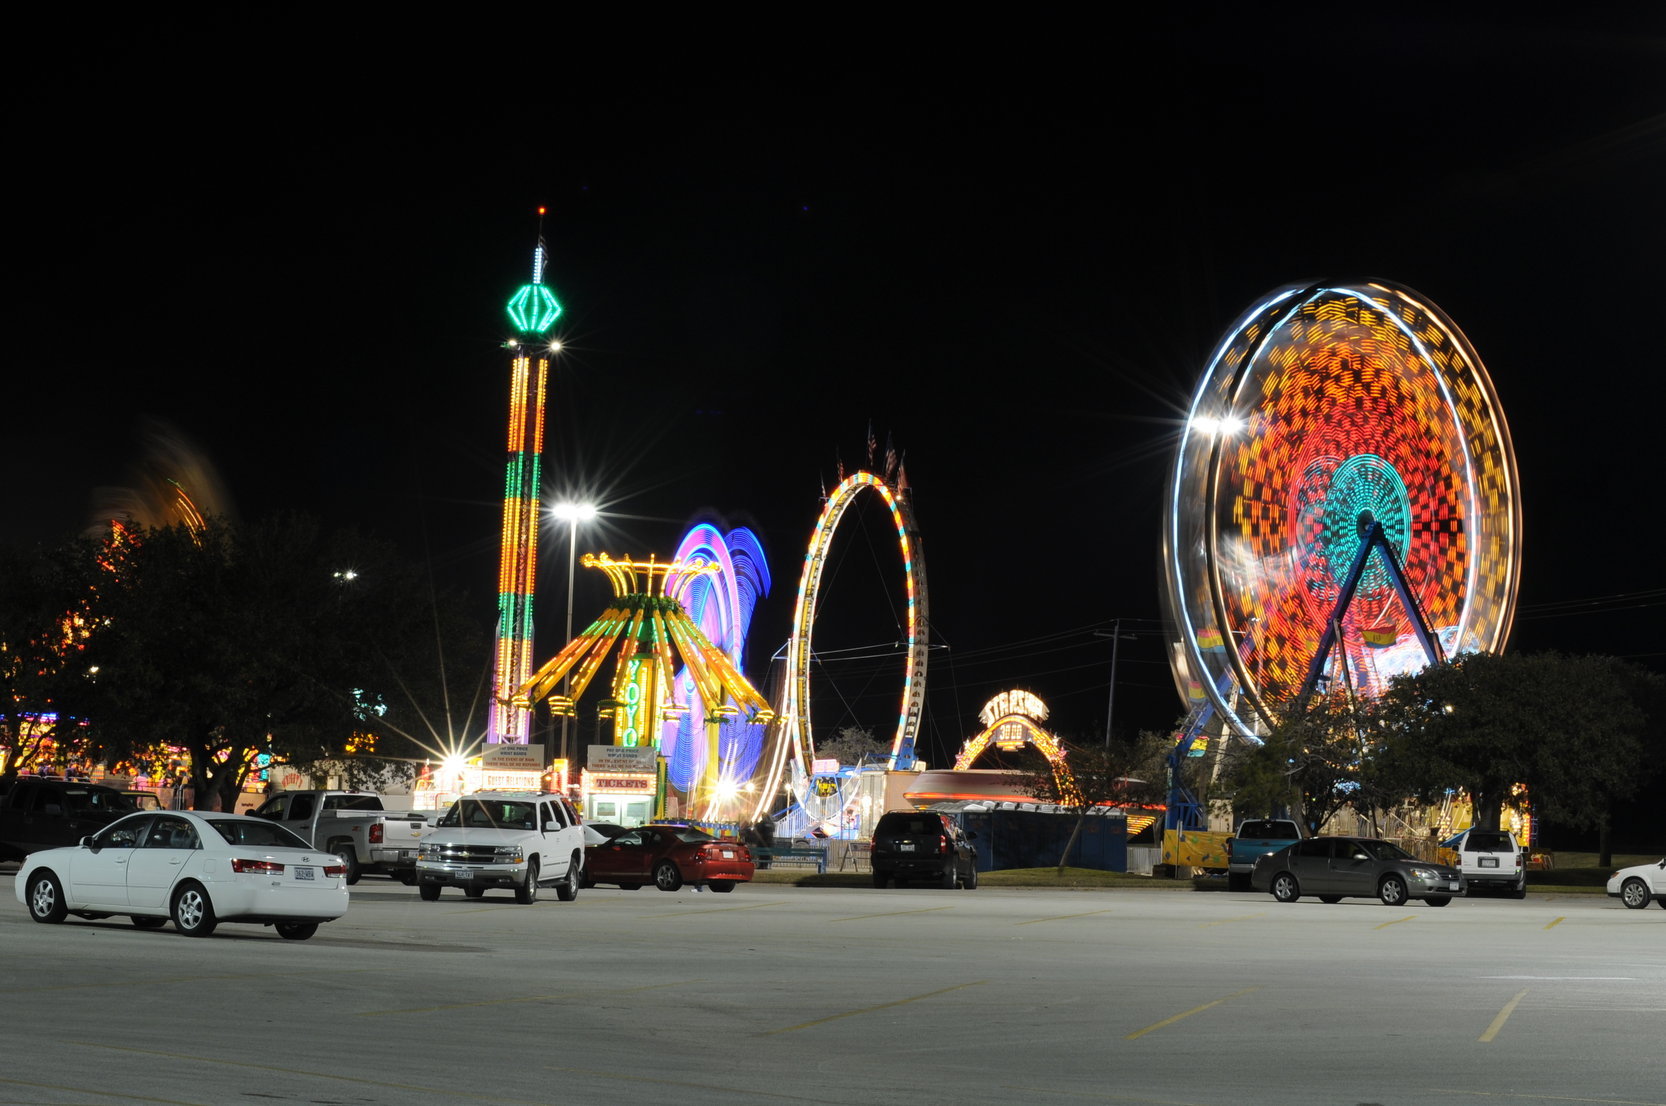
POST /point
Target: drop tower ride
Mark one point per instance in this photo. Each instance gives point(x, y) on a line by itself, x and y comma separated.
point(533, 311)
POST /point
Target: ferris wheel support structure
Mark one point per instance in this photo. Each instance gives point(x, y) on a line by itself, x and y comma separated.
point(1374, 541)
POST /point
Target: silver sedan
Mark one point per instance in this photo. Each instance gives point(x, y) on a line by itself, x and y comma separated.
point(1334, 868)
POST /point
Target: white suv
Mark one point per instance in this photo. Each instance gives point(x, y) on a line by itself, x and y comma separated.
point(516, 839)
point(1491, 858)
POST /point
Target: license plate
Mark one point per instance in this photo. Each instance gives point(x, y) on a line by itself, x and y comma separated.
point(728, 854)
point(1489, 862)
point(304, 873)
point(906, 847)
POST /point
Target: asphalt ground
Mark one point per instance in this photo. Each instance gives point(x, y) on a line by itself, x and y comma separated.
point(841, 994)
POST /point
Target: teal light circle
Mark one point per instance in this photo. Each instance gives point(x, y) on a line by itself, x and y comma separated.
point(1364, 488)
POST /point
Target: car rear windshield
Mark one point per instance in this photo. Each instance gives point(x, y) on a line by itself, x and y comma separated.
point(1489, 841)
point(1267, 828)
point(256, 831)
point(909, 824)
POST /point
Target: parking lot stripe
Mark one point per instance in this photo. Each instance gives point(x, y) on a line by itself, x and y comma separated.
point(1188, 1013)
point(1554, 922)
point(1062, 917)
point(889, 914)
point(1397, 921)
point(713, 910)
point(520, 998)
point(1503, 1016)
point(871, 1009)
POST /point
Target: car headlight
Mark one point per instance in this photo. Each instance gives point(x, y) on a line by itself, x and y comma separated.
point(1423, 873)
point(426, 851)
point(509, 854)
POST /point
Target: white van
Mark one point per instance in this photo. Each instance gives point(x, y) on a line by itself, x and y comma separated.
point(1493, 860)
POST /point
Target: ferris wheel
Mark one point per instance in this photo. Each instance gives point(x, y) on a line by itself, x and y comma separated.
point(1344, 491)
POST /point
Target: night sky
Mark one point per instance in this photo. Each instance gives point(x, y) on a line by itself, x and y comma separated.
point(1012, 272)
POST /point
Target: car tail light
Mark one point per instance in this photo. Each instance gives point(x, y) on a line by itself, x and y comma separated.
point(377, 831)
point(335, 869)
point(256, 867)
point(942, 843)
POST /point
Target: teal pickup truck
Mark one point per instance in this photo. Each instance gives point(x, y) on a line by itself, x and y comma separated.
point(1256, 837)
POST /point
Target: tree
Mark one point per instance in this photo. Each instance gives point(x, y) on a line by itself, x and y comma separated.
point(48, 611)
point(1574, 730)
point(1311, 765)
point(852, 744)
point(231, 641)
point(1100, 774)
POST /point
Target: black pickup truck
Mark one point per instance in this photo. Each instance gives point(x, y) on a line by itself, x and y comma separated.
point(40, 814)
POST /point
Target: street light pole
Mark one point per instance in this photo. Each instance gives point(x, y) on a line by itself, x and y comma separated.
point(572, 514)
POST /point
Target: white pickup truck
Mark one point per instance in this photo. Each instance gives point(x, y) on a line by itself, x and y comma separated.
point(354, 826)
point(516, 839)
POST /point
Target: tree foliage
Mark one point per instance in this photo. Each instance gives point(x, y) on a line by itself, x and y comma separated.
point(1101, 774)
point(47, 615)
point(274, 637)
point(1577, 731)
point(1313, 765)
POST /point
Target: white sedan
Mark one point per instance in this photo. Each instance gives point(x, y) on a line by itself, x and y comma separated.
point(198, 869)
point(1637, 885)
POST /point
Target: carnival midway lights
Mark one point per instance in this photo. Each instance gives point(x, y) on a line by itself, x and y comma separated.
point(833, 799)
point(652, 631)
point(1343, 508)
point(533, 311)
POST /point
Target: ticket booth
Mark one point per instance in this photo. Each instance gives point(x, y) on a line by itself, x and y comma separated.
point(620, 784)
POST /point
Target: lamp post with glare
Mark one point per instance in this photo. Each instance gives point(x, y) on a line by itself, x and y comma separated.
point(572, 514)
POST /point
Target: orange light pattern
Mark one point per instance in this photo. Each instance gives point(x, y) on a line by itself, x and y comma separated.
point(518, 549)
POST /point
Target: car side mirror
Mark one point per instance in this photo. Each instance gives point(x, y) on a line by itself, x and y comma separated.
point(89, 844)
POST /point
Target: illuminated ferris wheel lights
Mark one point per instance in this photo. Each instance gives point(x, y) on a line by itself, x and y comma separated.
point(555, 346)
point(1225, 426)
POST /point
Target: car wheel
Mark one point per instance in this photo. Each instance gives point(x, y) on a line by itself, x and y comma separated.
point(722, 885)
point(1634, 893)
point(349, 858)
point(296, 931)
point(666, 876)
point(567, 889)
point(1333, 899)
point(193, 912)
point(1438, 900)
point(881, 880)
point(430, 892)
point(1392, 890)
point(474, 892)
point(971, 883)
point(146, 921)
point(586, 882)
point(527, 892)
point(951, 878)
point(1519, 892)
point(46, 898)
point(1285, 887)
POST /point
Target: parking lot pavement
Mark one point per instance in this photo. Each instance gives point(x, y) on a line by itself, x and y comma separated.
point(844, 994)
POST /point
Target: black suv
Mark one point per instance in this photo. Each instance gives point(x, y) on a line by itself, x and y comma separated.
point(920, 845)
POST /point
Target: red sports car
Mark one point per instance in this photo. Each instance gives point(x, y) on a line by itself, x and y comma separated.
point(667, 857)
